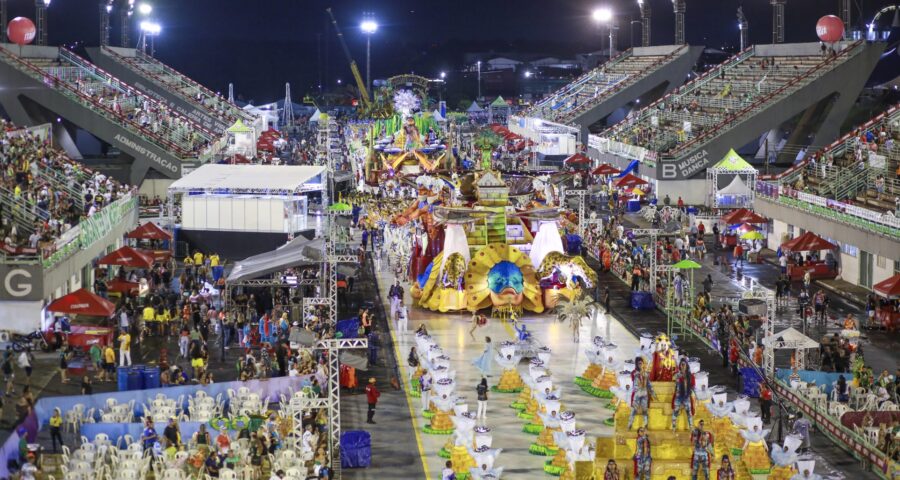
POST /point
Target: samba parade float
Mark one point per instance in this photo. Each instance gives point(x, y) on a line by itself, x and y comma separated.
point(670, 422)
point(495, 244)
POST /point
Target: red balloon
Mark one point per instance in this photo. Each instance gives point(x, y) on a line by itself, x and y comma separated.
point(830, 29)
point(21, 31)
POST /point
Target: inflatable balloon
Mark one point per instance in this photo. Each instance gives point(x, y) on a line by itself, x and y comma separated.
point(21, 31)
point(830, 29)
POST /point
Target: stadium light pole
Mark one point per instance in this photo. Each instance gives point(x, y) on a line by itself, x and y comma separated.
point(369, 26)
point(679, 8)
point(604, 15)
point(479, 78)
point(149, 29)
point(105, 10)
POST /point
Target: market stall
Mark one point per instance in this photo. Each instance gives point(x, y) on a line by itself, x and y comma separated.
point(817, 268)
point(731, 182)
point(88, 313)
point(887, 314)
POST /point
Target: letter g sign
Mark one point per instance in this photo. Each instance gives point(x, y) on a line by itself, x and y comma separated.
point(20, 288)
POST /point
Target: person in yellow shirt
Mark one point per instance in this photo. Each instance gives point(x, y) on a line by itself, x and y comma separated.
point(124, 349)
point(198, 258)
point(149, 315)
point(162, 320)
point(56, 428)
point(214, 260)
point(109, 362)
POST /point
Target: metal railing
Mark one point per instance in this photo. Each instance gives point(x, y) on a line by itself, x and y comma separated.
point(157, 72)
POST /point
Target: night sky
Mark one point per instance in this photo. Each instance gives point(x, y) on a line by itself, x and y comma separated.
point(260, 44)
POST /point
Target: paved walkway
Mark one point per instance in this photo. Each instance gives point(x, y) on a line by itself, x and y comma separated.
point(881, 348)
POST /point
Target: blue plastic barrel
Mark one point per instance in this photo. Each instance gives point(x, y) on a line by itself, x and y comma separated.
point(151, 377)
point(122, 378)
point(135, 379)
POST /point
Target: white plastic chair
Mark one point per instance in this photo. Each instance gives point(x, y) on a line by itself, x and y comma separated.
point(227, 474)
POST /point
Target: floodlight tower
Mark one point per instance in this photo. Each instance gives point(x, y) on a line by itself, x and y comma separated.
point(604, 15)
point(368, 27)
point(41, 15)
point(679, 8)
point(645, 22)
point(231, 93)
point(777, 20)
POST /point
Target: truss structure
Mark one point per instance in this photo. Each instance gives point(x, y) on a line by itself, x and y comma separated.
point(581, 206)
point(653, 233)
point(768, 327)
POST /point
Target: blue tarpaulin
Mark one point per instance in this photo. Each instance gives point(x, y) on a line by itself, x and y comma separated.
point(348, 328)
point(750, 381)
point(642, 301)
point(356, 449)
point(814, 376)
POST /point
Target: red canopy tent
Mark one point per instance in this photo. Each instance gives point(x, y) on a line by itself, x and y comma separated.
point(122, 286)
point(890, 288)
point(128, 257)
point(807, 242)
point(512, 136)
point(606, 169)
point(149, 231)
point(630, 181)
point(83, 302)
point(520, 145)
point(497, 128)
point(577, 159)
point(742, 215)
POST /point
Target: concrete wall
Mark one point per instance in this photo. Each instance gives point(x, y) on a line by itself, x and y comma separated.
point(693, 192)
point(153, 187)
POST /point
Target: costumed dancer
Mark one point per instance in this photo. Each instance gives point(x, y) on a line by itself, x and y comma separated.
point(522, 333)
point(485, 362)
point(642, 458)
point(664, 360)
point(612, 470)
point(681, 399)
point(478, 320)
point(726, 472)
point(702, 444)
point(642, 391)
point(806, 468)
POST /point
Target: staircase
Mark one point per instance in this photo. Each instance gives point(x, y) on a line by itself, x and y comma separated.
point(61, 84)
point(210, 109)
point(23, 214)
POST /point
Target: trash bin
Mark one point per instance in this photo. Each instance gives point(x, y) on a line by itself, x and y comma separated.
point(347, 328)
point(122, 378)
point(356, 449)
point(150, 377)
point(634, 205)
point(135, 379)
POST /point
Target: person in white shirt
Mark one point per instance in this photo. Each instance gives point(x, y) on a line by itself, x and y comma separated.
point(402, 319)
point(447, 473)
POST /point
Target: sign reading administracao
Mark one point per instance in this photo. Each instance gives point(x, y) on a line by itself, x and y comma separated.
point(143, 151)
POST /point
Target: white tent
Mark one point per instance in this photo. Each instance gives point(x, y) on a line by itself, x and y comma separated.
point(474, 108)
point(736, 187)
point(790, 339)
point(269, 179)
point(315, 116)
point(437, 116)
point(297, 252)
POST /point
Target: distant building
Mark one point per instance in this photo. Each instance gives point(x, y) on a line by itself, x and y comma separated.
point(502, 63)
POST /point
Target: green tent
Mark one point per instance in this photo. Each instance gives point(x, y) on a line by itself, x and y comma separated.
point(499, 102)
point(687, 265)
point(733, 163)
point(239, 127)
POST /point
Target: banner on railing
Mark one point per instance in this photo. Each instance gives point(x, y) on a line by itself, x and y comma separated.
point(771, 190)
point(98, 225)
point(41, 131)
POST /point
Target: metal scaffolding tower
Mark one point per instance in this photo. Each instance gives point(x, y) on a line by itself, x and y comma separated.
point(777, 20)
point(125, 23)
point(845, 16)
point(743, 25)
point(653, 233)
point(230, 92)
point(759, 292)
point(645, 23)
point(679, 7)
point(287, 114)
point(105, 8)
point(4, 20)
point(581, 206)
point(41, 16)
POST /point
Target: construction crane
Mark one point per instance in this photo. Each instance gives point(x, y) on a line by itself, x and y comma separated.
point(353, 68)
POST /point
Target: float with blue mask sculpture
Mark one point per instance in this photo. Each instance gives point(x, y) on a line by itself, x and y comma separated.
point(502, 251)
